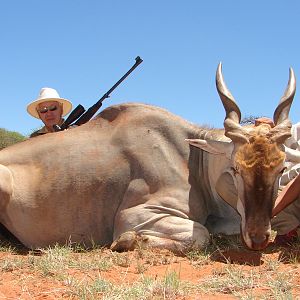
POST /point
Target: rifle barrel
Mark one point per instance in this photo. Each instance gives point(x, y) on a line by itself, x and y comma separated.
point(93, 109)
point(138, 61)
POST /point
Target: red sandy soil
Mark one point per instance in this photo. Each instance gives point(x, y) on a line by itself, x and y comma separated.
point(26, 283)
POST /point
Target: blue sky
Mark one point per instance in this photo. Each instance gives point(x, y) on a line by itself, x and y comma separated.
point(82, 47)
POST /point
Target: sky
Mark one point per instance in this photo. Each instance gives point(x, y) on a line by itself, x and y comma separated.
point(82, 48)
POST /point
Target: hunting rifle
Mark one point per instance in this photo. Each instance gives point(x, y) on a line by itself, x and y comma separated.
point(83, 116)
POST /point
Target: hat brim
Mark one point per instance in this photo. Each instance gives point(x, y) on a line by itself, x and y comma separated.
point(66, 106)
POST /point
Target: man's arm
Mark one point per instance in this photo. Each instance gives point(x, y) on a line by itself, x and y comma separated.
point(289, 194)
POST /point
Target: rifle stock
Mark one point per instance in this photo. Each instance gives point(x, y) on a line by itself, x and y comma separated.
point(74, 115)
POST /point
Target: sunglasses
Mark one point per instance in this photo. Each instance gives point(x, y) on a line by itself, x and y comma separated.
point(49, 108)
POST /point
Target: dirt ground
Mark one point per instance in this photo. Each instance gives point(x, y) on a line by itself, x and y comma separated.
point(234, 273)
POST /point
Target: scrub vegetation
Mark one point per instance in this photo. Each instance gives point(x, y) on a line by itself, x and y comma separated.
point(8, 138)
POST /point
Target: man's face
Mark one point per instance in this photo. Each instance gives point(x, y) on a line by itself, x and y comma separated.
point(50, 112)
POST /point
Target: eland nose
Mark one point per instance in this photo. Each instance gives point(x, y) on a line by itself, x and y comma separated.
point(259, 241)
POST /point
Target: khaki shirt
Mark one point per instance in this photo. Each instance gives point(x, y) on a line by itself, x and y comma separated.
point(42, 131)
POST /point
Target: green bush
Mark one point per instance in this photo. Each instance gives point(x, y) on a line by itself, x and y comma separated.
point(8, 138)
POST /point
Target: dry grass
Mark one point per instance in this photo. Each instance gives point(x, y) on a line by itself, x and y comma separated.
point(224, 270)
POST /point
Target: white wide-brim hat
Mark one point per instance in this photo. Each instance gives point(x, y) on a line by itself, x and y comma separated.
point(48, 94)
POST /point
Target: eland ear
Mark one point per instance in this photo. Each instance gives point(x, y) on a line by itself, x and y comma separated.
point(291, 154)
point(213, 147)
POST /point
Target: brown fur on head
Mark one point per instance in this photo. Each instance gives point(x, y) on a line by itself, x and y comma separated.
point(259, 152)
point(258, 164)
